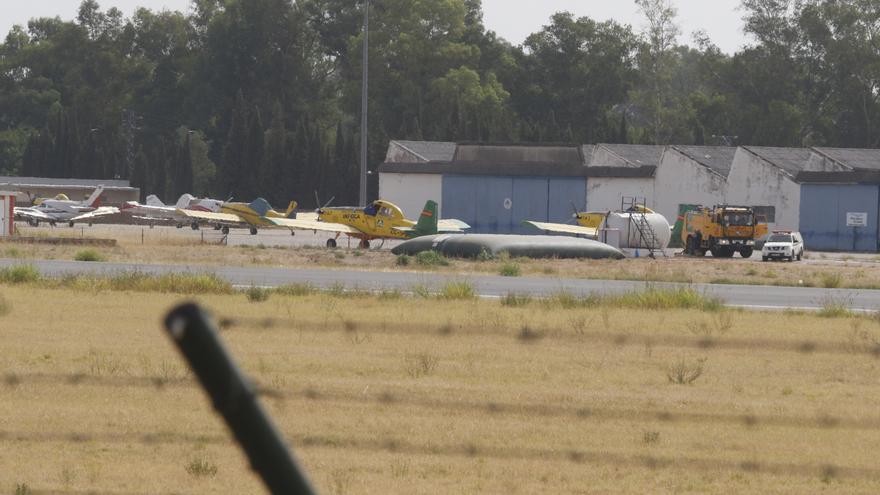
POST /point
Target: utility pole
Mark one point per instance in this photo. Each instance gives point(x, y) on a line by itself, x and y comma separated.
point(128, 128)
point(363, 190)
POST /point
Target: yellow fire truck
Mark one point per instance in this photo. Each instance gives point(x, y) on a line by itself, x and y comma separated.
point(721, 230)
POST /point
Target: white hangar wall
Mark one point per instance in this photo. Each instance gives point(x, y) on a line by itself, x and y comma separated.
point(754, 181)
point(410, 191)
point(681, 180)
point(605, 193)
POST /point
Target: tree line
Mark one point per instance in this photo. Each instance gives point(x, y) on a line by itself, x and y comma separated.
point(262, 97)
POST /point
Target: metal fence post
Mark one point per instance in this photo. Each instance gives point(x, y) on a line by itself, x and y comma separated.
point(235, 399)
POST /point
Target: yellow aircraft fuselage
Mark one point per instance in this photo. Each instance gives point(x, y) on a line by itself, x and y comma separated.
point(251, 216)
point(377, 221)
point(594, 219)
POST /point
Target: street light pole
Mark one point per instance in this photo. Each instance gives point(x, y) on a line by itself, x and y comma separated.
point(363, 174)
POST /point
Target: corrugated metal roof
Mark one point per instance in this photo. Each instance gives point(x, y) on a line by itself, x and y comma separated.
point(431, 151)
point(51, 181)
point(790, 160)
point(515, 153)
point(716, 158)
point(861, 159)
point(636, 155)
point(587, 153)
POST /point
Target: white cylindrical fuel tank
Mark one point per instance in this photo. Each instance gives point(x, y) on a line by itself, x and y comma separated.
point(630, 237)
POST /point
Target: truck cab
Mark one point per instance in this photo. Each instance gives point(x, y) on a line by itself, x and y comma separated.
point(722, 230)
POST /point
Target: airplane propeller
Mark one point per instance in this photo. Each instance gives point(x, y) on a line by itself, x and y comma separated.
point(574, 209)
point(318, 202)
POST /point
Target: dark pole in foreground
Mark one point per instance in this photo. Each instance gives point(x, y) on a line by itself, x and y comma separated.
point(364, 81)
point(234, 398)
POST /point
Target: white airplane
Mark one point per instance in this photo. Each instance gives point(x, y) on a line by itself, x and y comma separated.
point(53, 211)
point(155, 210)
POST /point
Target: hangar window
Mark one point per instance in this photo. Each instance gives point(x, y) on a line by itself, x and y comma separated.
point(765, 214)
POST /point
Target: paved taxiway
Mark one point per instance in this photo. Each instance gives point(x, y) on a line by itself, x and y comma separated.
point(760, 297)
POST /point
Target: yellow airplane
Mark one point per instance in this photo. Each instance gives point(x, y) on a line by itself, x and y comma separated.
point(379, 220)
point(588, 223)
point(255, 214)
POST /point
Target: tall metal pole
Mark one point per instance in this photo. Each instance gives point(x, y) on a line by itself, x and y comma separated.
point(363, 189)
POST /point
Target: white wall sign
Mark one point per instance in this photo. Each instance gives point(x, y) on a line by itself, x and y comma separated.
point(508, 204)
point(856, 219)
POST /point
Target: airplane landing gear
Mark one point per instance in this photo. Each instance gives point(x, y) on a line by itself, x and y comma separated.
point(225, 230)
point(70, 224)
point(331, 243)
point(364, 244)
point(195, 225)
point(253, 231)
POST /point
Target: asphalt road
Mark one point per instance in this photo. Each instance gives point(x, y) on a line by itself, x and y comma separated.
point(761, 297)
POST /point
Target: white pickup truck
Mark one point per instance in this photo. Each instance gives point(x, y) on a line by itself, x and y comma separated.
point(782, 245)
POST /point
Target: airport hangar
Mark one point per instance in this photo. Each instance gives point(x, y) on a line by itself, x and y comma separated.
point(831, 195)
point(27, 189)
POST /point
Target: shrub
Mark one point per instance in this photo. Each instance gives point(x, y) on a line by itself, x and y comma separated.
point(20, 274)
point(832, 308)
point(457, 290)
point(650, 437)
point(509, 270)
point(683, 373)
point(89, 255)
point(13, 252)
point(201, 468)
point(515, 300)
point(830, 280)
point(295, 290)
point(485, 255)
point(431, 258)
point(421, 364)
point(257, 294)
point(403, 260)
point(22, 489)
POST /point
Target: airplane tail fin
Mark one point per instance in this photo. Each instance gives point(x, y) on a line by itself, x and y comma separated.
point(153, 200)
point(427, 224)
point(291, 210)
point(184, 201)
point(94, 200)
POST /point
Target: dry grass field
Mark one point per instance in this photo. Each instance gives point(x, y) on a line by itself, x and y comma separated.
point(170, 245)
point(384, 394)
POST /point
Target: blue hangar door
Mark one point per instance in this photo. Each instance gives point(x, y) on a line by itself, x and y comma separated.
point(828, 212)
point(498, 205)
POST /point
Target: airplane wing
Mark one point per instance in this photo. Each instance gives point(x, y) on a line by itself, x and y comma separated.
point(562, 228)
point(31, 213)
point(98, 212)
point(212, 216)
point(451, 225)
point(308, 224)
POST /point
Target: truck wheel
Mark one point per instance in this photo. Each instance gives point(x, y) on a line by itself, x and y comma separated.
point(799, 256)
point(689, 245)
point(746, 252)
point(764, 258)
